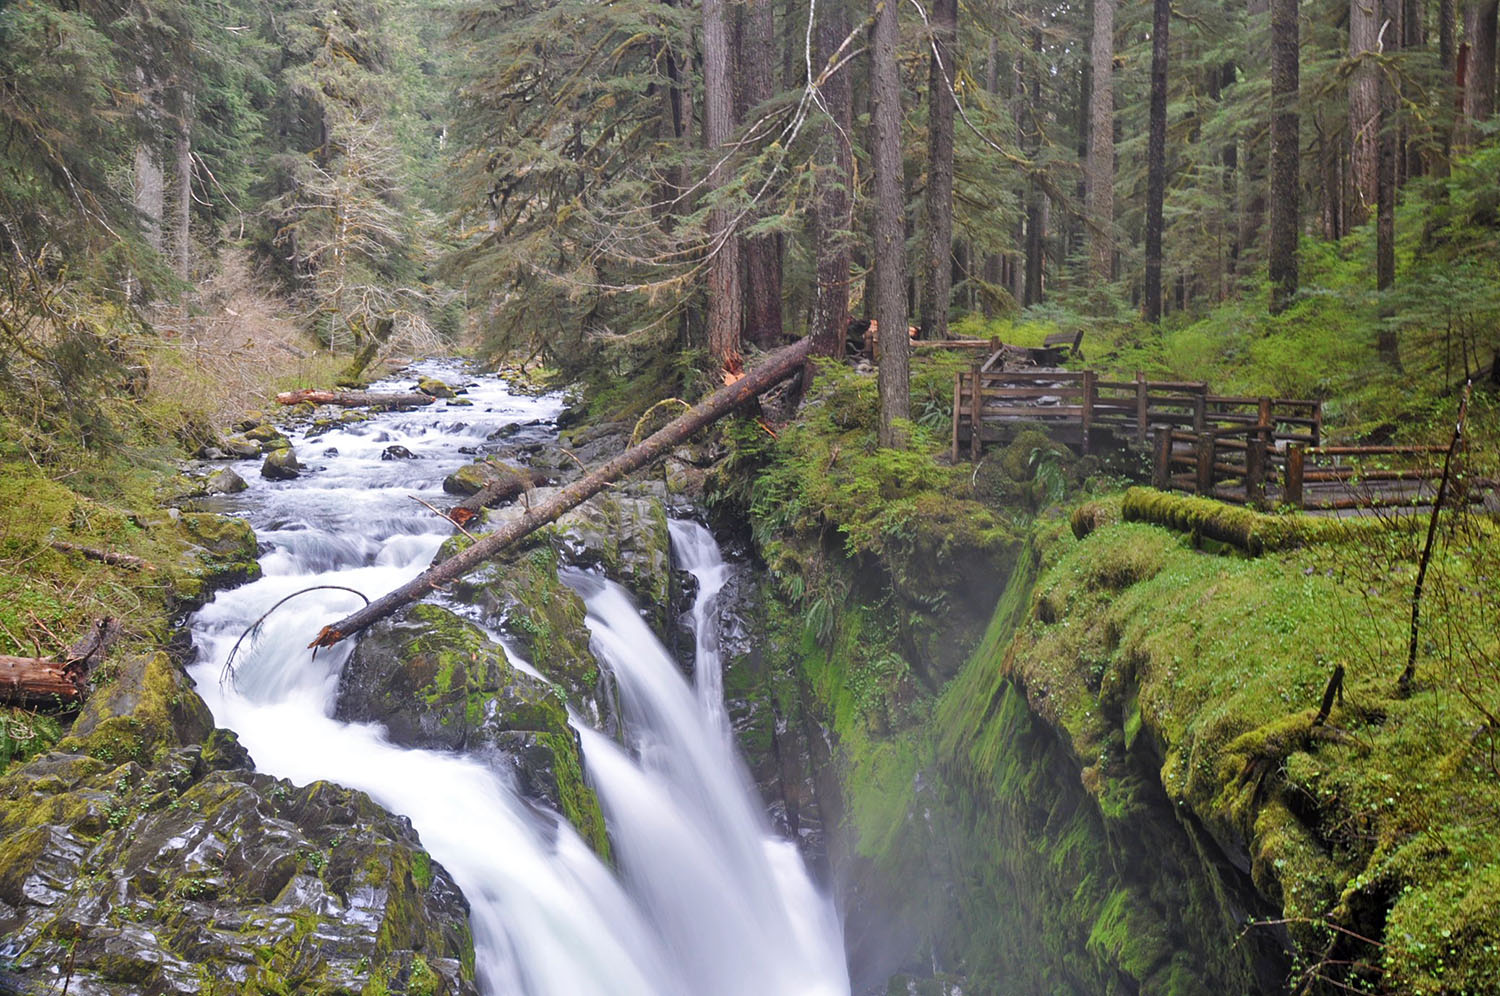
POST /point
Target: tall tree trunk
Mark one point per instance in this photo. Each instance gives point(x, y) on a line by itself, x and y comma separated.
point(1254, 173)
point(1285, 153)
point(725, 317)
point(994, 263)
point(938, 268)
point(1449, 95)
point(1100, 169)
point(1364, 108)
point(890, 226)
point(1035, 222)
point(763, 319)
point(1385, 221)
point(182, 214)
point(1156, 158)
point(149, 186)
point(835, 175)
point(1479, 80)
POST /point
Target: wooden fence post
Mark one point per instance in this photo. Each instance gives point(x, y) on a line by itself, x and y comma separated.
point(958, 385)
point(1317, 426)
point(1255, 465)
point(1292, 493)
point(1205, 454)
point(1200, 408)
point(1161, 470)
point(976, 414)
point(1140, 408)
point(1090, 379)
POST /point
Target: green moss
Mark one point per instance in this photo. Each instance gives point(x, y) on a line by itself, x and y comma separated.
point(580, 806)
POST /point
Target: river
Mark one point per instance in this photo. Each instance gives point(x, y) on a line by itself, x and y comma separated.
point(706, 900)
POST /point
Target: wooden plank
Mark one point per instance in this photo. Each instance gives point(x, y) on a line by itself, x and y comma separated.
point(1372, 450)
point(975, 416)
point(1033, 412)
point(1033, 392)
point(958, 385)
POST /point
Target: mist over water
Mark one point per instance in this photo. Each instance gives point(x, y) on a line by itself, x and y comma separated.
point(707, 899)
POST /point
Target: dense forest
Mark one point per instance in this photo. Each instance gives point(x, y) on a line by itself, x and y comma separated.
point(1033, 727)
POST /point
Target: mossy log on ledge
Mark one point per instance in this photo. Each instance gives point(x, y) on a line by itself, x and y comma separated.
point(1253, 532)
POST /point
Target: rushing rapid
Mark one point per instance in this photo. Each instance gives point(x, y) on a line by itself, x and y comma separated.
point(707, 899)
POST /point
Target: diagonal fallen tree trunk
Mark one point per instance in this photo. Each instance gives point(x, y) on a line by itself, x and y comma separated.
point(775, 368)
point(355, 399)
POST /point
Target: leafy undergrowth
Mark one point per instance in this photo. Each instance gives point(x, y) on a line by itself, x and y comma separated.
point(1375, 831)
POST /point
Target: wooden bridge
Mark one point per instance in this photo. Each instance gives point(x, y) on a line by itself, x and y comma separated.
point(1250, 450)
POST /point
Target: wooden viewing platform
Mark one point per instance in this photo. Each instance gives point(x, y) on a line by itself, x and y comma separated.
point(1261, 451)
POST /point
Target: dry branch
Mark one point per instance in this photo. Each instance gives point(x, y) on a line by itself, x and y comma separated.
point(103, 556)
point(777, 367)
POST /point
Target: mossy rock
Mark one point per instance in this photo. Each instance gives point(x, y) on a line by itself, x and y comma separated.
point(436, 680)
point(224, 482)
point(521, 594)
point(241, 448)
point(146, 844)
point(218, 551)
point(436, 388)
point(270, 437)
point(473, 477)
point(281, 465)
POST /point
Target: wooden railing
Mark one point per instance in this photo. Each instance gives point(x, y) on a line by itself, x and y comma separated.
point(1244, 464)
point(1074, 404)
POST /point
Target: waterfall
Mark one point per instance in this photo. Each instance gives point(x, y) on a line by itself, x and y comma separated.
point(707, 900)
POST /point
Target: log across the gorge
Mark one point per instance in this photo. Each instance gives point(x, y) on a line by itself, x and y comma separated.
point(43, 682)
point(355, 399)
point(778, 366)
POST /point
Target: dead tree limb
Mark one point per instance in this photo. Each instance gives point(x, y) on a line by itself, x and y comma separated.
point(103, 556)
point(508, 484)
point(775, 368)
point(1409, 673)
point(355, 399)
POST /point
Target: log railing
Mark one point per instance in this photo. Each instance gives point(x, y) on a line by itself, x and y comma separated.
point(1074, 404)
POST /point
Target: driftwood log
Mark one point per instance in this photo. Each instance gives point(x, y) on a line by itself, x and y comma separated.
point(507, 486)
point(355, 399)
point(44, 682)
point(776, 367)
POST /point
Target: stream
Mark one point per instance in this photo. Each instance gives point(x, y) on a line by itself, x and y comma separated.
point(706, 898)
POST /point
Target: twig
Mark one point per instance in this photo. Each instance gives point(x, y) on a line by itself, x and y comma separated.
point(227, 674)
point(1403, 685)
point(441, 514)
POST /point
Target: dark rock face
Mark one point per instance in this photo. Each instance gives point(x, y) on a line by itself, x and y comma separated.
point(147, 844)
point(397, 453)
point(436, 680)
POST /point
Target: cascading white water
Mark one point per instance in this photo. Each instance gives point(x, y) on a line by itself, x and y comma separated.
point(709, 901)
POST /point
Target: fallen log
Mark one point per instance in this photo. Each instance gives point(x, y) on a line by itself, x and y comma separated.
point(35, 683)
point(355, 399)
point(775, 368)
point(506, 487)
point(43, 682)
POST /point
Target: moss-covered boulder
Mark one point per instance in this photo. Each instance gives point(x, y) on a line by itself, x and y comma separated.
point(240, 448)
point(144, 853)
point(270, 437)
point(521, 595)
point(224, 482)
point(281, 465)
point(436, 680)
point(627, 539)
point(215, 551)
point(436, 388)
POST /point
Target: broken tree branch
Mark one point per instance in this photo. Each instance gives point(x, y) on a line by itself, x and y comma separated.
point(103, 556)
point(777, 367)
point(1409, 673)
